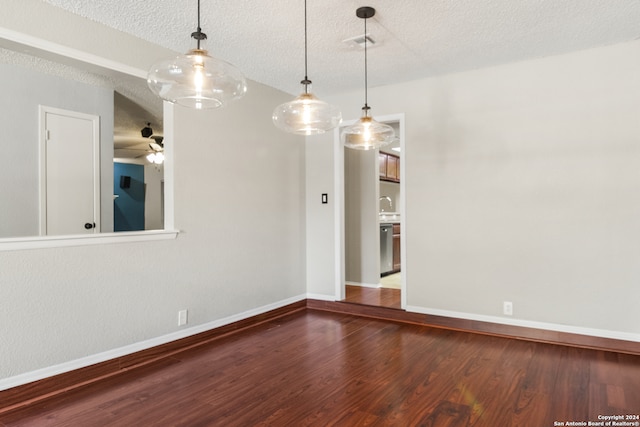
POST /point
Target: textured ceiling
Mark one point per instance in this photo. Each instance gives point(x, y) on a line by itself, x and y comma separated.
point(415, 38)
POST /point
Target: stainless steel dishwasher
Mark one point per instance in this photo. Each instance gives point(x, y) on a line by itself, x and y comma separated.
point(386, 248)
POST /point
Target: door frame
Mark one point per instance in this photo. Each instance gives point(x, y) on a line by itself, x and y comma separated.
point(43, 110)
point(339, 211)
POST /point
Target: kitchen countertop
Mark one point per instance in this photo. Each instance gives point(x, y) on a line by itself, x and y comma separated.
point(389, 218)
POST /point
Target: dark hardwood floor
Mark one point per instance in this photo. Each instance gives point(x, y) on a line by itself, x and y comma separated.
point(379, 297)
point(314, 368)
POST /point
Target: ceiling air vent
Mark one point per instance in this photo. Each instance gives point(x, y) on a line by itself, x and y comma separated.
point(358, 42)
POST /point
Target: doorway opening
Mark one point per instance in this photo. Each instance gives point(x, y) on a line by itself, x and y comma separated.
point(372, 232)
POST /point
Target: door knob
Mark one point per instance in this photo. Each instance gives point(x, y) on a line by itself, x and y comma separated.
point(89, 225)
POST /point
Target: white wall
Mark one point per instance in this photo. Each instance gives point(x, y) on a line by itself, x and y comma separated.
point(239, 196)
point(324, 265)
point(153, 197)
point(522, 184)
point(362, 230)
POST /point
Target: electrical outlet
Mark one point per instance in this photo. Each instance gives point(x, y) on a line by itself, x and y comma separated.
point(507, 308)
point(182, 317)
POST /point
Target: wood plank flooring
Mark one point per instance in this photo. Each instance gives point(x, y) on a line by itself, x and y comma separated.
point(379, 297)
point(315, 368)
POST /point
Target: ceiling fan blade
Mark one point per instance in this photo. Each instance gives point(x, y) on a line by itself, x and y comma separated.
point(155, 147)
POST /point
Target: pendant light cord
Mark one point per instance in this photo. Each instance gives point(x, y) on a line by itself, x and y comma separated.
point(200, 29)
point(366, 101)
point(365, 13)
point(306, 82)
point(198, 34)
point(305, 40)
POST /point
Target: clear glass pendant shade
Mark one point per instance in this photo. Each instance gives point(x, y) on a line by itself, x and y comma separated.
point(306, 115)
point(196, 80)
point(367, 133)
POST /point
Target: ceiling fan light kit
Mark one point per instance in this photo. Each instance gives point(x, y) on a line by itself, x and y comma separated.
point(306, 114)
point(156, 157)
point(196, 79)
point(366, 133)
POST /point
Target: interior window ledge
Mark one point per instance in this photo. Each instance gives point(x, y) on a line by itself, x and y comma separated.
point(40, 242)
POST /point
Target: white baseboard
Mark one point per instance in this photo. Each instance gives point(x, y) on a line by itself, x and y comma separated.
point(601, 333)
point(27, 377)
point(321, 297)
point(364, 285)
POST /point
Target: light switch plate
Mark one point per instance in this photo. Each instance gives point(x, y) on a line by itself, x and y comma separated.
point(182, 317)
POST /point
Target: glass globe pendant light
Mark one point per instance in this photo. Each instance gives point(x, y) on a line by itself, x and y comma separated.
point(366, 133)
point(196, 80)
point(306, 114)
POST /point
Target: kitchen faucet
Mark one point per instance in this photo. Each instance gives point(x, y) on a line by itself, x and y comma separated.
point(388, 199)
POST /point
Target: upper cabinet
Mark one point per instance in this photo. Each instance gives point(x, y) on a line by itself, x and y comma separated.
point(389, 167)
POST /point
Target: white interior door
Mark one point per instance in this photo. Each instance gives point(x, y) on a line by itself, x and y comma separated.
point(69, 172)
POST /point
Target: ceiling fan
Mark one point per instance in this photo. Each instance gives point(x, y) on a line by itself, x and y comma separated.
point(157, 147)
point(136, 146)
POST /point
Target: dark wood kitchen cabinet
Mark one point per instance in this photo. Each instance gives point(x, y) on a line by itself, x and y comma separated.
point(389, 167)
point(396, 247)
point(382, 164)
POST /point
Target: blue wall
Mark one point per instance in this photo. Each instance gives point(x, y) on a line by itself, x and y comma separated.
point(128, 207)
